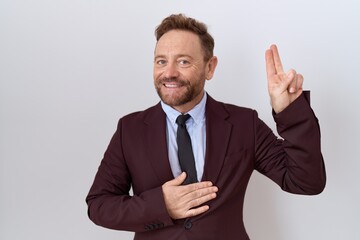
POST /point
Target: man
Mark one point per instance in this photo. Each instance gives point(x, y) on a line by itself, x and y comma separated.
point(227, 143)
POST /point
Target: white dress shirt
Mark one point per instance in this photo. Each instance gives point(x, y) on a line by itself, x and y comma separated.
point(197, 131)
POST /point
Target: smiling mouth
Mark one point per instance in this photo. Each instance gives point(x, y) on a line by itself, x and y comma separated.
point(172, 85)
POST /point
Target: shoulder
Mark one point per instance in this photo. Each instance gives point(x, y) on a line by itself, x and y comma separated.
point(228, 109)
point(153, 113)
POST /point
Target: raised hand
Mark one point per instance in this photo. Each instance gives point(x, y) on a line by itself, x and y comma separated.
point(183, 201)
point(283, 87)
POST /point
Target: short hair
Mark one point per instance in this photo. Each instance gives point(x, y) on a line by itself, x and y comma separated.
point(181, 22)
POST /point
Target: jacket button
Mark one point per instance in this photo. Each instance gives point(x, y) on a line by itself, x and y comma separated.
point(187, 224)
point(159, 225)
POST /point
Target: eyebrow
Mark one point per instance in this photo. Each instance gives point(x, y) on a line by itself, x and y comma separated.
point(176, 56)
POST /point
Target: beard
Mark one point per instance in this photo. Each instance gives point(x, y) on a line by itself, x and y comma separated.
point(187, 94)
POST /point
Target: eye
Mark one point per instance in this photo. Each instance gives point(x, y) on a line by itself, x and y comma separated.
point(160, 62)
point(184, 62)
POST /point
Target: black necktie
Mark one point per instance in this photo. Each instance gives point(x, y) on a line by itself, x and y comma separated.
point(185, 152)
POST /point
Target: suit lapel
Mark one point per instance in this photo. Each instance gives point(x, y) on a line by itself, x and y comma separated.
point(218, 132)
point(156, 144)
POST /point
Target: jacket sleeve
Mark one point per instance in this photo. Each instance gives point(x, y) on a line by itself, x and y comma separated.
point(293, 161)
point(109, 201)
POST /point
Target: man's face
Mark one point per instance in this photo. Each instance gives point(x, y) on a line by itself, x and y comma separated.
point(179, 69)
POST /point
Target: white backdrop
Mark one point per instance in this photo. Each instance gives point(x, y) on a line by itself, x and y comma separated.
point(70, 68)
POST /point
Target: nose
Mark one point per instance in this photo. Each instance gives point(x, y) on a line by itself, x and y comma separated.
point(171, 71)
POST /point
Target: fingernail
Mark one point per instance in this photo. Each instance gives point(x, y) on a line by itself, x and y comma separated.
point(292, 90)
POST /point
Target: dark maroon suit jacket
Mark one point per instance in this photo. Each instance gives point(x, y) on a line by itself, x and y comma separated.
point(238, 142)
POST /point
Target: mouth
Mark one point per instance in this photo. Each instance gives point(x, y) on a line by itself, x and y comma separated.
point(172, 85)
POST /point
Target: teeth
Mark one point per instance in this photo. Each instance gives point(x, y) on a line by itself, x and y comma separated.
point(171, 85)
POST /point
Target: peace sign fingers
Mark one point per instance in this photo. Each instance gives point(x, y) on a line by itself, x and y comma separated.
point(273, 61)
point(283, 87)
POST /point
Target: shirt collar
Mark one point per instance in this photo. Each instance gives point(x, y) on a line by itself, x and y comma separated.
point(197, 113)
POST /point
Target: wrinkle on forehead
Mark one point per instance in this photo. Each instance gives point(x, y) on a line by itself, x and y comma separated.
point(179, 42)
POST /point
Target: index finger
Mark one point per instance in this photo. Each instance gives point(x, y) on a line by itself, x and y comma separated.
point(199, 185)
point(270, 65)
point(276, 57)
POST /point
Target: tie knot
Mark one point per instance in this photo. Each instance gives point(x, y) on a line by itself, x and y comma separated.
point(181, 119)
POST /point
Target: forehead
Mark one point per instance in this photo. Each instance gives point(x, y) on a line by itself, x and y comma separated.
point(179, 42)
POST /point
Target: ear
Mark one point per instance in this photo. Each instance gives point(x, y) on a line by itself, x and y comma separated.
point(210, 67)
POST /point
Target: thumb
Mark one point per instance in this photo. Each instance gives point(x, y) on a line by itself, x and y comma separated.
point(178, 180)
